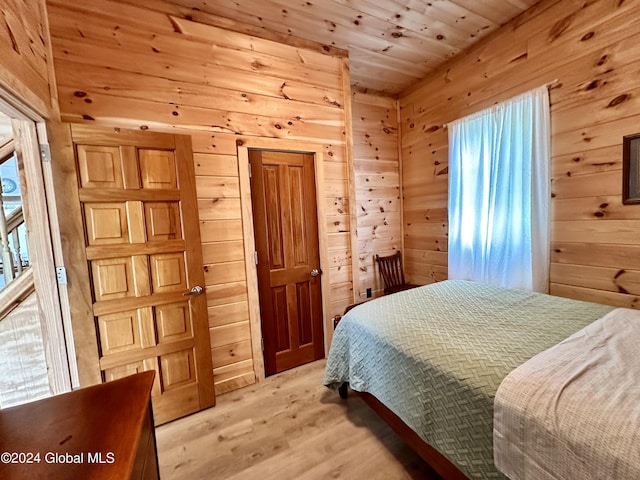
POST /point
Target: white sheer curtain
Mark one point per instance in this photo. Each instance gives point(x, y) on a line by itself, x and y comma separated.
point(499, 194)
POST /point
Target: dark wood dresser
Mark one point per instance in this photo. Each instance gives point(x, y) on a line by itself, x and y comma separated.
point(100, 432)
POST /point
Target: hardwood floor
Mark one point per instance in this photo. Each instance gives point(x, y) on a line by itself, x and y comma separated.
point(288, 427)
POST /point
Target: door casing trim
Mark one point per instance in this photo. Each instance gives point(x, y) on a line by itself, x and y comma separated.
point(55, 318)
point(250, 241)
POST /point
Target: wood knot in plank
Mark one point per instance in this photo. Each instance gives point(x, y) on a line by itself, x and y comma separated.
point(592, 85)
point(618, 100)
point(621, 272)
point(176, 26)
point(284, 95)
point(587, 36)
point(331, 102)
point(560, 27)
point(14, 43)
point(257, 65)
point(520, 57)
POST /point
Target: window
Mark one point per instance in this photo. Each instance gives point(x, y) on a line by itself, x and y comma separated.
point(499, 194)
point(14, 252)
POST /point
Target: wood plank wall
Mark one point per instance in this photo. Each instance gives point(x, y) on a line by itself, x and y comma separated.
point(143, 65)
point(593, 50)
point(25, 61)
point(377, 174)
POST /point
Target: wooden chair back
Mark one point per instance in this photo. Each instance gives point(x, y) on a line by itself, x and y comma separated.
point(391, 270)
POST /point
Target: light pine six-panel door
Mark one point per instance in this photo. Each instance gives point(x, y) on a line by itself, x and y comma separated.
point(138, 206)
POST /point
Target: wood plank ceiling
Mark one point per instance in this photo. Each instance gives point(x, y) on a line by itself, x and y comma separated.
point(391, 43)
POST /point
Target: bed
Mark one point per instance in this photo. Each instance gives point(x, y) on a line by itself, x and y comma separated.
point(433, 358)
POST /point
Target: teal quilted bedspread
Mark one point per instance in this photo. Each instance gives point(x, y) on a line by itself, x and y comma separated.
point(435, 356)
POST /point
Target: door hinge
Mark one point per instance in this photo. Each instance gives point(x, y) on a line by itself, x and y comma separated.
point(249, 169)
point(45, 152)
point(255, 256)
point(61, 275)
point(262, 344)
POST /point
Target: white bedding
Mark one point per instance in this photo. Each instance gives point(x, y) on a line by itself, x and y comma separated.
point(573, 411)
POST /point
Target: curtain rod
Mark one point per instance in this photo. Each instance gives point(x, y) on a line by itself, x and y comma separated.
point(550, 84)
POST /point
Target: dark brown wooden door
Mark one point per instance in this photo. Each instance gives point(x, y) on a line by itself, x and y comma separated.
point(283, 194)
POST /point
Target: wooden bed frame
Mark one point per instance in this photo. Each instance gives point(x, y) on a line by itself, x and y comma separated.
point(438, 462)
